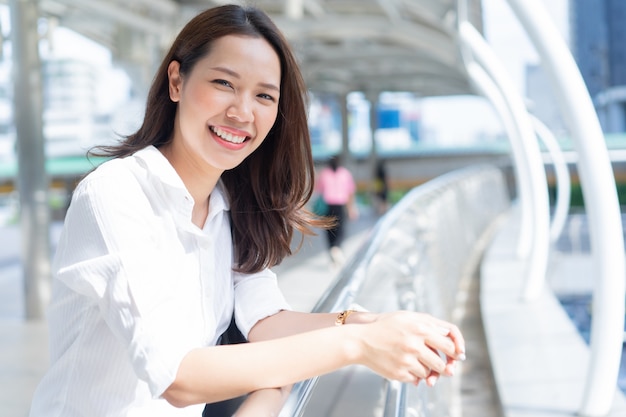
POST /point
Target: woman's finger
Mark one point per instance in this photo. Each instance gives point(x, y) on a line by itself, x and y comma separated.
point(430, 359)
point(453, 333)
point(420, 371)
point(432, 379)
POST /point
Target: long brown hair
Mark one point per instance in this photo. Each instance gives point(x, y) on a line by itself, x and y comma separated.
point(269, 189)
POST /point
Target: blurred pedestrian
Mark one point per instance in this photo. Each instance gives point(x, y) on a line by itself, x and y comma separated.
point(381, 189)
point(335, 185)
point(173, 238)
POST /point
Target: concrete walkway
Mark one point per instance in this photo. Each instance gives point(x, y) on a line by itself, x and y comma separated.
point(538, 356)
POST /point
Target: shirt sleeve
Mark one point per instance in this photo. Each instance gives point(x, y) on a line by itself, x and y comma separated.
point(257, 296)
point(110, 253)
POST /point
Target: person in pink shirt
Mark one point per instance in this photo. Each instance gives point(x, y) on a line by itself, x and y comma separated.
point(336, 186)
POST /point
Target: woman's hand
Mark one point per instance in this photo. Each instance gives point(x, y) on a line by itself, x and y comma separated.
point(407, 346)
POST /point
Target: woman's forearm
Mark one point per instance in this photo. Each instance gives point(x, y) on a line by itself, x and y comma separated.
point(219, 372)
point(402, 346)
point(287, 323)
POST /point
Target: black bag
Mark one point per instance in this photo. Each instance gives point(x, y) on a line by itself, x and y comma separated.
point(226, 408)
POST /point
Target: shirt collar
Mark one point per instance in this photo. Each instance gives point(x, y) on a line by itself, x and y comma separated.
point(219, 200)
point(161, 168)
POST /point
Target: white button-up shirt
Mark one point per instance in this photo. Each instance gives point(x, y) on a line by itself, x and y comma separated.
point(136, 287)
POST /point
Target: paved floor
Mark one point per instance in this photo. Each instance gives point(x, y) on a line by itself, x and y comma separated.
point(540, 361)
point(479, 396)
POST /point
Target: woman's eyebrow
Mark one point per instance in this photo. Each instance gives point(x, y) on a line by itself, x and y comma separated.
point(227, 71)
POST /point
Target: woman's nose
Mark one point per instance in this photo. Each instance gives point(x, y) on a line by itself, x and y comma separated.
point(240, 109)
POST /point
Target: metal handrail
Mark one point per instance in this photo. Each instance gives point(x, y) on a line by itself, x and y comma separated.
point(343, 292)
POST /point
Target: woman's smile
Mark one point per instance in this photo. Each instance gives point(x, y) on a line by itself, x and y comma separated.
point(228, 136)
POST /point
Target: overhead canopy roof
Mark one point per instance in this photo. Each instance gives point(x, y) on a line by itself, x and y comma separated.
point(343, 45)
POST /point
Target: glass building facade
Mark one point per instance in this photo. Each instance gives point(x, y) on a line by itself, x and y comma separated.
point(598, 33)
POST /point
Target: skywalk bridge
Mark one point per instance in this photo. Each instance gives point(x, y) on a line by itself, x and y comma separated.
point(429, 47)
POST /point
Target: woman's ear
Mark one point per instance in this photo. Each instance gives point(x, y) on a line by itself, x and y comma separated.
point(175, 82)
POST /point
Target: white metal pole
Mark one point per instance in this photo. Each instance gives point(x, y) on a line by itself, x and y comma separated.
point(488, 88)
point(538, 256)
point(601, 203)
point(483, 83)
point(561, 173)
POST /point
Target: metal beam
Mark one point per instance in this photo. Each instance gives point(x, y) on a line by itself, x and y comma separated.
point(120, 15)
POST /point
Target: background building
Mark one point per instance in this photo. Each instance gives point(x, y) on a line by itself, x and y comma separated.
point(598, 35)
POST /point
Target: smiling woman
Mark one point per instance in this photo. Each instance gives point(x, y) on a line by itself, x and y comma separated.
point(172, 240)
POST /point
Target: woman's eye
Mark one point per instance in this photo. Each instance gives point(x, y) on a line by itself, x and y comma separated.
point(222, 82)
point(267, 97)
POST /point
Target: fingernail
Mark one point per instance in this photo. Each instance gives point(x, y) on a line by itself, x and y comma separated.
point(431, 380)
point(452, 368)
point(461, 357)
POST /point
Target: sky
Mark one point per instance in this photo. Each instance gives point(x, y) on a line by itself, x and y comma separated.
point(507, 38)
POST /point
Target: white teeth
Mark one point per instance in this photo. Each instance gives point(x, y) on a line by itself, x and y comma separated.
point(228, 136)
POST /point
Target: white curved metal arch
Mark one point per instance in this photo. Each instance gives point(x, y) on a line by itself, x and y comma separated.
point(488, 88)
point(561, 172)
point(601, 204)
point(537, 247)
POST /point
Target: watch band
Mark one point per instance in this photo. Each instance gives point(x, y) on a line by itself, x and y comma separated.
point(342, 317)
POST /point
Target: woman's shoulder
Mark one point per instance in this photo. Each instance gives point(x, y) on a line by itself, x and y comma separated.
point(114, 170)
point(115, 186)
point(117, 176)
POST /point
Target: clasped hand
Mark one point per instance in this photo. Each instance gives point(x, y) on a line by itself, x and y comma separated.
point(408, 346)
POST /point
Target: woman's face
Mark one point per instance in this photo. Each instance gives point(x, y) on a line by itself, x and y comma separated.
point(227, 103)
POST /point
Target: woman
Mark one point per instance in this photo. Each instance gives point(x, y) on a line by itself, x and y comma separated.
point(336, 187)
point(174, 235)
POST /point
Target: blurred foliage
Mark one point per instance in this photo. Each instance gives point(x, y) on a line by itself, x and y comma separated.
point(577, 200)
